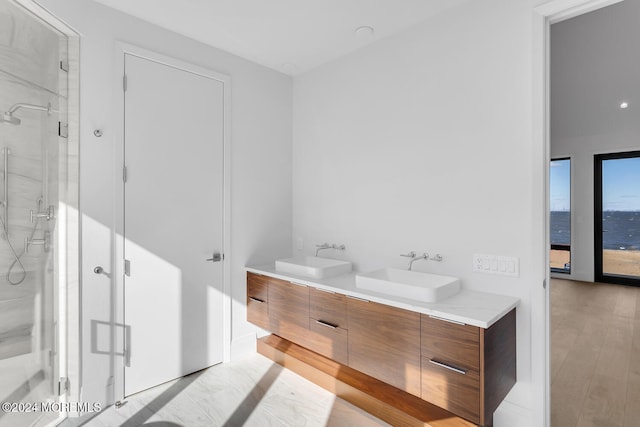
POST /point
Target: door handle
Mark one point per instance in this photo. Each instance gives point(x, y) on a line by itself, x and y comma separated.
point(217, 257)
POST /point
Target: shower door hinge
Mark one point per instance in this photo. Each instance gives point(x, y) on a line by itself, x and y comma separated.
point(63, 385)
point(124, 174)
point(124, 82)
point(127, 268)
point(63, 130)
point(64, 65)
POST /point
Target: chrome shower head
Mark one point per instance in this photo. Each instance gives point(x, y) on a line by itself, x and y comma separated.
point(9, 119)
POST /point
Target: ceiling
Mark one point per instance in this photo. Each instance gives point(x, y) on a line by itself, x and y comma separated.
point(595, 67)
point(291, 36)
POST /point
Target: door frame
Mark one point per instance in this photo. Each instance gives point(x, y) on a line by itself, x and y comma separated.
point(599, 274)
point(543, 16)
point(117, 336)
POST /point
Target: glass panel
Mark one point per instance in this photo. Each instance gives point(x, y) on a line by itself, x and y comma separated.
point(31, 99)
point(560, 216)
point(621, 217)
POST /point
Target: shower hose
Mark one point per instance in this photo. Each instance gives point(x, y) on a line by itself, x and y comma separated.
point(16, 257)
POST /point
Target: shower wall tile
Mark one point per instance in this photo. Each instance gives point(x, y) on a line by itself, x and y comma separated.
point(15, 342)
point(9, 292)
point(30, 47)
point(16, 325)
point(34, 138)
point(25, 140)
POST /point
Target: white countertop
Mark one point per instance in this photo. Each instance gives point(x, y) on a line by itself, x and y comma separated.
point(470, 307)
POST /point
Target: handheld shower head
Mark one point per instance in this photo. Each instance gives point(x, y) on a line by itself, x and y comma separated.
point(8, 118)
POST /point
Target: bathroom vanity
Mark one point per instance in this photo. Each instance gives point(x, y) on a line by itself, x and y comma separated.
point(458, 354)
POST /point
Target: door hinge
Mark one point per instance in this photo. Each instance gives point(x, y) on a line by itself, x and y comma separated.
point(63, 385)
point(64, 65)
point(127, 268)
point(63, 130)
point(124, 82)
point(544, 284)
point(127, 347)
point(124, 174)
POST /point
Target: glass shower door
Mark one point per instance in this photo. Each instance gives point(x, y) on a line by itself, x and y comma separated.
point(33, 103)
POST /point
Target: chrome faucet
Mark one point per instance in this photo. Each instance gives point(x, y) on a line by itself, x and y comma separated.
point(414, 257)
point(321, 247)
point(328, 246)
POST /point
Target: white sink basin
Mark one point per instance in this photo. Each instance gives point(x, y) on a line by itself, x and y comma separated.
point(314, 267)
point(414, 285)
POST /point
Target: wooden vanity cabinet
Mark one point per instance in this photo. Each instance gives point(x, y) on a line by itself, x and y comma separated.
point(289, 310)
point(384, 342)
point(465, 369)
point(451, 366)
point(328, 331)
point(258, 300)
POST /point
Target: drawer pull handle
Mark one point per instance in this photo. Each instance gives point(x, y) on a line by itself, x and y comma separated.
point(327, 324)
point(449, 367)
point(256, 300)
point(447, 320)
point(324, 290)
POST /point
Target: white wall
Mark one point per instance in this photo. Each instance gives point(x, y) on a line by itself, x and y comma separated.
point(594, 66)
point(261, 164)
point(423, 142)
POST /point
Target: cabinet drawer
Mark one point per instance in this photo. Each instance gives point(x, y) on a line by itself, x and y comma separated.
point(384, 342)
point(456, 392)
point(288, 310)
point(328, 341)
point(257, 300)
point(328, 307)
point(450, 342)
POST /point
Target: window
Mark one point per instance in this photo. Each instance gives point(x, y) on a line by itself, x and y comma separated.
point(560, 215)
point(617, 218)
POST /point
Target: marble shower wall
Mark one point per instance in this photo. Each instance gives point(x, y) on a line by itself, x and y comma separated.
point(30, 54)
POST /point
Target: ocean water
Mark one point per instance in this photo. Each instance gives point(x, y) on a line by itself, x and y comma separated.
point(560, 227)
point(621, 229)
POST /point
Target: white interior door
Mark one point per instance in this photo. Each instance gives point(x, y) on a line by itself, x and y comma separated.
point(173, 222)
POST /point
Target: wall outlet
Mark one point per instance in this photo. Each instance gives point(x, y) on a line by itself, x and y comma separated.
point(496, 264)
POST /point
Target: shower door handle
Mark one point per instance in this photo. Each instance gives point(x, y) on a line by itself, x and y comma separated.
point(217, 257)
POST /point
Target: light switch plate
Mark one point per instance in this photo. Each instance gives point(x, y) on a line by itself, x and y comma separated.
point(496, 264)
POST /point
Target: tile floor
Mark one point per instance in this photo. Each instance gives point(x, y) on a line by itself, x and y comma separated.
point(595, 354)
point(250, 392)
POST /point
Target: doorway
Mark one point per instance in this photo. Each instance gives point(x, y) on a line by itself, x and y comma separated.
point(617, 218)
point(588, 116)
point(174, 220)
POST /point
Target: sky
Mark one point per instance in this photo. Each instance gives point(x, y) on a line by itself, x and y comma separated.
point(620, 185)
point(560, 185)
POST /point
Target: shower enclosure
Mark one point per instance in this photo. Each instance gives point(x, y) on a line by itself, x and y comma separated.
point(34, 161)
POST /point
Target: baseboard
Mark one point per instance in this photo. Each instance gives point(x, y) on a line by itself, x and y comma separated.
point(243, 346)
point(509, 414)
